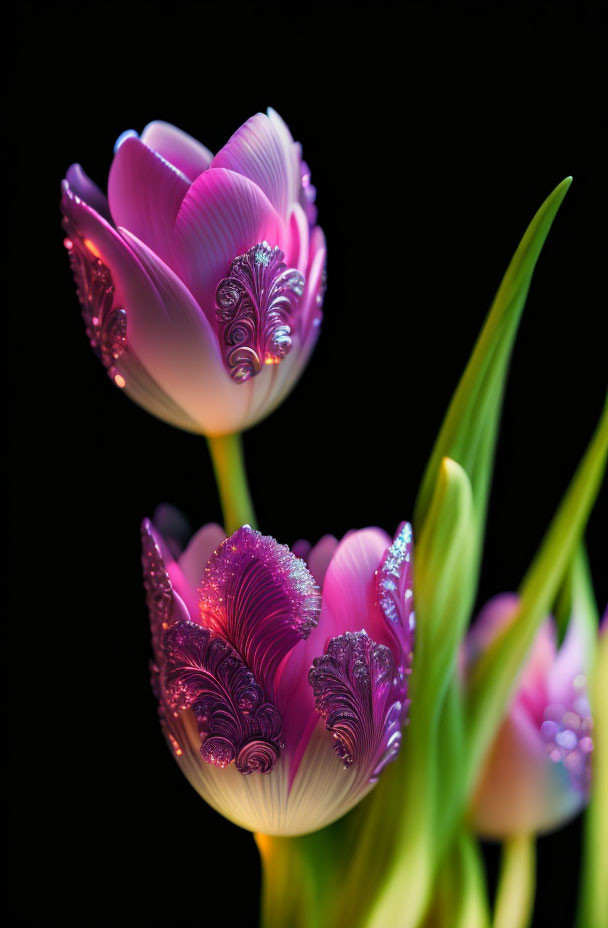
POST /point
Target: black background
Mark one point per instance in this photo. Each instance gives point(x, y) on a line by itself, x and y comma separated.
point(433, 133)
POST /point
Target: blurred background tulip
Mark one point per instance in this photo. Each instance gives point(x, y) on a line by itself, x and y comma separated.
point(537, 774)
point(200, 278)
point(281, 705)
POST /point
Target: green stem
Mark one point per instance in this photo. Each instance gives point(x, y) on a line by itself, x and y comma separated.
point(515, 894)
point(229, 468)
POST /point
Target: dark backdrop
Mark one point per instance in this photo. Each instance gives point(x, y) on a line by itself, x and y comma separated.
point(433, 133)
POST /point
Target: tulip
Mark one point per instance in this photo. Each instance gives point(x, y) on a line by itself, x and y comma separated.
point(200, 278)
point(282, 684)
point(537, 773)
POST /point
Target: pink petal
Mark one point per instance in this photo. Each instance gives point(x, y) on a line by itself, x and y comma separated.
point(358, 694)
point(349, 591)
point(349, 603)
point(145, 194)
point(165, 605)
point(180, 149)
point(259, 597)
point(198, 551)
point(290, 150)
point(257, 151)
point(572, 663)
point(300, 236)
point(521, 790)
point(172, 364)
point(87, 190)
point(312, 298)
point(180, 347)
point(320, 557)
point(494, 616)
point(221, 217)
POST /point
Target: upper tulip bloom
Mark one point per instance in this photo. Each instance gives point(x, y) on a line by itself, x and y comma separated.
point(537, 774)
point(282, 704)
point(200, 278)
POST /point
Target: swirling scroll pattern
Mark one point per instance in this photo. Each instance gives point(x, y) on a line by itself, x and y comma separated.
point(357, 692)
point(257, 305)
point(236, 724)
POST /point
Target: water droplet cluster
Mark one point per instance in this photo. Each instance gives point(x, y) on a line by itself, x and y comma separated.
point(566, 731)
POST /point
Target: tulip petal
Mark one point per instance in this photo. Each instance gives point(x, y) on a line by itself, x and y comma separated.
point(320, 793)
point(200, 548)
point(165, 606)
point(199, 383)
point(291, 155)
point(300, 238)
point(221, 217)
point(349, 604)
point(87, 190)
point(236, 723)
point(145, 193)
point(180, 149)
point(320, 557)
point(257, 151)
point(350, 599)
point(358, 693)
point(134, 292)
point(259, 597)
point(521, 790)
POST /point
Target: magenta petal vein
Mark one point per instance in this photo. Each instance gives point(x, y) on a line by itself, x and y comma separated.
point(256, 305)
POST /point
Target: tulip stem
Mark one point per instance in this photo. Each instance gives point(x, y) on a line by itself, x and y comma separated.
point(231, 478)
point(515, 894)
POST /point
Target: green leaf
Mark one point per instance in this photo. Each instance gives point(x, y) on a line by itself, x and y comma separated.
point(442, 589)
point(593, 904)
point(468, 434)
point(460, 894)
point(496, 673)
point(407, 802)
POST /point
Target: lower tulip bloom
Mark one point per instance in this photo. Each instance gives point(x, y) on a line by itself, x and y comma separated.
point(200, 277)
point(282, 685)
point(537, 774)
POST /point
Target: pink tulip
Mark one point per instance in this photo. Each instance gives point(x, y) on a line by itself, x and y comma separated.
point(282, 684)
point(537, 774)
point(200, 278)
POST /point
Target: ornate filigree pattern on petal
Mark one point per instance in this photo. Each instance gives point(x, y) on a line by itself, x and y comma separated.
point(395, 593)
point(257, 306)
point(357, 691)
point(106, 325)
point(261, 598)
point(204, 674)
point(164, 609)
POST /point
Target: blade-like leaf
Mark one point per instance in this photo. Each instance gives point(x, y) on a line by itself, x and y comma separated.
point(593, 906)
point(468, 433)
point(442, 607)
